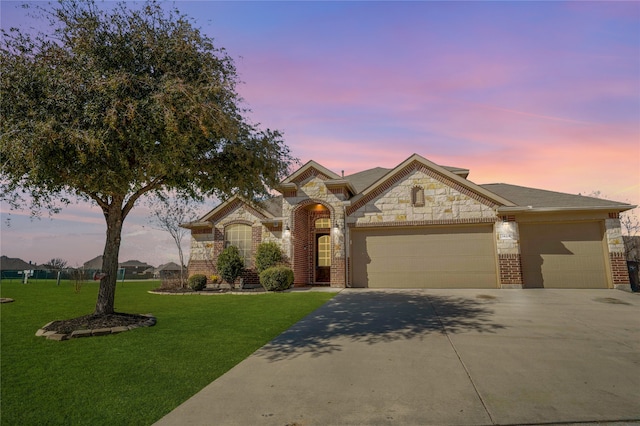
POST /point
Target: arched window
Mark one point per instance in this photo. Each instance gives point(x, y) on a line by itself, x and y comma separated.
point(417, 196)
point(239, 235)
point(323, 223)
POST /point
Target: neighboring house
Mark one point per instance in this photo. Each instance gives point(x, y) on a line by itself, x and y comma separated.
point(134, 269)
point(420, 225)
point(131, 269)
point(167, 270)
point(12, 267)
point(94, 264)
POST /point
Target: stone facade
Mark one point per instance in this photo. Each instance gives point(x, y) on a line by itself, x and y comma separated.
point(417, 193)
point(443, 204)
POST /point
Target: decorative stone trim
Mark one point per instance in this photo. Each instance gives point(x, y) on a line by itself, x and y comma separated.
point(424, 222)
point(52, 335)
point(410, 168)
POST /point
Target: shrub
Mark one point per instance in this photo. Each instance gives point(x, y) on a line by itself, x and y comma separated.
point(230, 264)
point(171, 284)
point(276, 278)
point(197, 282)
point(268, 255)
point(214, 279)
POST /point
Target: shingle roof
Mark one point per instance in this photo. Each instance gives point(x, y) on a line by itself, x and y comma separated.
point(95, 263)
point(540, 198)
point(134, 263)
point(362, 180)
point(14, 264)
point(171, 266)
point(365, 178)
point(273, 205)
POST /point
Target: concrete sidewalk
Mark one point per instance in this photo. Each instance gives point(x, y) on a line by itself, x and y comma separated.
point(439, 357)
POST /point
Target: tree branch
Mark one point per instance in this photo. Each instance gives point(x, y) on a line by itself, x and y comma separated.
point(155, 183)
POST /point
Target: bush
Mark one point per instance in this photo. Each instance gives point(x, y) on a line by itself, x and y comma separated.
point(268, 255)
point(276, 278)
point(197, 282)
point(230, 264)
point(171, 284)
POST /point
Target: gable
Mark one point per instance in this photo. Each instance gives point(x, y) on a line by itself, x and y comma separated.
point(310, 170)
point(444, 202)
point(439, 176)
point(236, 207)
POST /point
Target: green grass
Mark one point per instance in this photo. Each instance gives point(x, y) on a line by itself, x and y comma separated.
point(134, 377)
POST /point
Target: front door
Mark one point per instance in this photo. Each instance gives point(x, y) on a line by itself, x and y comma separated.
point(323, 258)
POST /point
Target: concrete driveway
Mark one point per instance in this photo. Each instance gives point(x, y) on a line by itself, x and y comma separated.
point(439, 357)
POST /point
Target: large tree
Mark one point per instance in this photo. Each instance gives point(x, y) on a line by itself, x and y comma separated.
point(117, 103)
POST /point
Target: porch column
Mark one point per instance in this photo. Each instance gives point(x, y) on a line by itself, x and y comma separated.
point(617, 258)
point(338, 262)
point(508, 248)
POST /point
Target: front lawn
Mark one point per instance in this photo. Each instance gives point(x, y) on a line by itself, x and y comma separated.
point(134, 377)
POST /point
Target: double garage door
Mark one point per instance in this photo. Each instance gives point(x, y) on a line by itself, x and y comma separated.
point(554, 255)
point(427, 257)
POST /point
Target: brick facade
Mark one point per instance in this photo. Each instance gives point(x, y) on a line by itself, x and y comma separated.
point(619, 270)
point(510, 266)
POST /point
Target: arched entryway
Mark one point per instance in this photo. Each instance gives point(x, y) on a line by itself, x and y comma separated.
point(312, 248)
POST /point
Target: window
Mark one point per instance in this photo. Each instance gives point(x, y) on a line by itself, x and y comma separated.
point(324, 222)
point(417, 196)
point(324, 251)
point(240, 236)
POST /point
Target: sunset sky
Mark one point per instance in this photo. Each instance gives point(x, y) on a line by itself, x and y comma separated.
point(538, 94)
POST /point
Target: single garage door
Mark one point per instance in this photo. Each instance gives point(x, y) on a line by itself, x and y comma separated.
point(427, 257)
point(563, 255)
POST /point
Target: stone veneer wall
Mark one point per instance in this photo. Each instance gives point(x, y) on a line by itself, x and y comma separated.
point(615, 243)
point(442, 203)
point(206, 245)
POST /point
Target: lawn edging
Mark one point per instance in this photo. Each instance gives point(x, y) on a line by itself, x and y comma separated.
point(53, 335)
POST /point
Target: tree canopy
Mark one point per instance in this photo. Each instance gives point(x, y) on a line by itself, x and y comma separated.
point(116, 103)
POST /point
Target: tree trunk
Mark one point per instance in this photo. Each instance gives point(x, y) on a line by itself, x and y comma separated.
point(107, 292)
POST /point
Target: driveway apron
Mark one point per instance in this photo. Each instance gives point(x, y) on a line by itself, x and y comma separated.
point(438, 357)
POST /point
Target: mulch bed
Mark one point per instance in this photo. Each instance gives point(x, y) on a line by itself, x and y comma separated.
point(208, 290)
point(90, 322)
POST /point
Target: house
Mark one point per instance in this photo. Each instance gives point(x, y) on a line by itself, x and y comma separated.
point(131, 269)
point(13, 267)
point(136, 270)
point(420, 225)
point(167, 270)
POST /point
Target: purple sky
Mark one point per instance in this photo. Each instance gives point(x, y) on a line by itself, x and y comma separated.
point(540, 94)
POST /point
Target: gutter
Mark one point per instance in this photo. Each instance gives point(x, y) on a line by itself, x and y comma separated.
point(531, 209)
